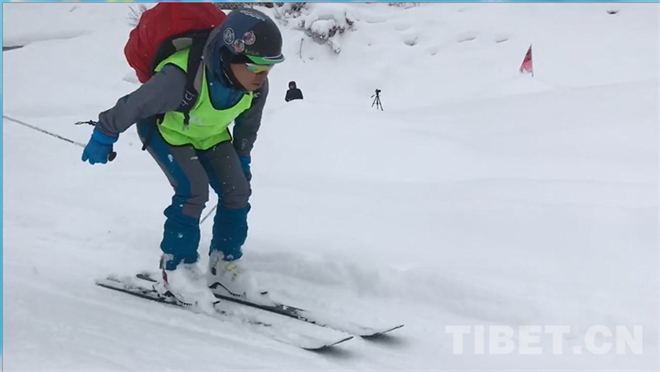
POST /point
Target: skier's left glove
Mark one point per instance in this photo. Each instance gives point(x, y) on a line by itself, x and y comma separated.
point(245, 164)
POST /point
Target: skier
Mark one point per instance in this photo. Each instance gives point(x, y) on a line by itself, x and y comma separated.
point(293, 92)
point(197, 151)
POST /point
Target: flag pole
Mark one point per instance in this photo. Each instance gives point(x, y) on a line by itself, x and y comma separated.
point(532, 61)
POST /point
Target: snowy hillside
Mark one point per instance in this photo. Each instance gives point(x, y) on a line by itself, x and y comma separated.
point(479, 197)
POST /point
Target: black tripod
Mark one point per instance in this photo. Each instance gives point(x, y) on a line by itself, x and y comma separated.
point(377, 100)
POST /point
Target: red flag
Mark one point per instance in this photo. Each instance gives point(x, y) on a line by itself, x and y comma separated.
point(526, 65)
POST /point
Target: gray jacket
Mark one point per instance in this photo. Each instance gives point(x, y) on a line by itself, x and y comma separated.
point(164, 92)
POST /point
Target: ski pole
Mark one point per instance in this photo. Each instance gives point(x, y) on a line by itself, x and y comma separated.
point(111, 157)
point(208, 214)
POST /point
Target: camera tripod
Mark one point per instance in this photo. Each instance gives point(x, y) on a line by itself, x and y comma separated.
point(377, 100)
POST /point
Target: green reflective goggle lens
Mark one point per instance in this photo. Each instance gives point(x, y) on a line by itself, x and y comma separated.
point(257, 69)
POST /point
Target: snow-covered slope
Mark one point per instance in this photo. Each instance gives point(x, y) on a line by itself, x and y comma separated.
point(479, 197)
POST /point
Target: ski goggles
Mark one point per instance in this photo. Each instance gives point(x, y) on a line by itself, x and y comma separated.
point(257, 69)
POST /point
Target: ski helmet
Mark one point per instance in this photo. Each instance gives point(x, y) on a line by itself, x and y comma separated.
point(251, 36)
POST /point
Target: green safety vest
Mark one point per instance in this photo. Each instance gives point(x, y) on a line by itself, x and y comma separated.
point(207, 126)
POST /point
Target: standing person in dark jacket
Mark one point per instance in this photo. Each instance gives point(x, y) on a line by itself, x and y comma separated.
point(293, 92)
point(202, 153)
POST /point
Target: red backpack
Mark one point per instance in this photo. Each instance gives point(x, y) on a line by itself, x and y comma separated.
point(167, 28)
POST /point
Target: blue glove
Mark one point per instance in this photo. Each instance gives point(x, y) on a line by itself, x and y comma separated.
point(98, 148)
point(245, 164)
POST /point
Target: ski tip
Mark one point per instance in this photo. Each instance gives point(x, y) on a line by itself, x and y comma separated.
point(329, 345)
point(382, 332)
point(343, 340)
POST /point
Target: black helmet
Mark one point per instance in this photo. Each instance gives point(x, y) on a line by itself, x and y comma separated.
point(250, 34)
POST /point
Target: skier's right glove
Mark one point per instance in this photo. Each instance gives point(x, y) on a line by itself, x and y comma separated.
point(99, 148)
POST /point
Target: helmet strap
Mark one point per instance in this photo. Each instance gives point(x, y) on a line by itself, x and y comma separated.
point(226, 58)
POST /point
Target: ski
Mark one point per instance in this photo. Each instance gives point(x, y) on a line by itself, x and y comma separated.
point(322, 320)
point(302, 338)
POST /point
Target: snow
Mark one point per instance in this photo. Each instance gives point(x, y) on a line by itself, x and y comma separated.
point(480, 197)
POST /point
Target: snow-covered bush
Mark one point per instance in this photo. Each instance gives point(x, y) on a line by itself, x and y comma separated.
point(404, 5)
point(232, 6)
point(323, 23)
point(135, 14)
